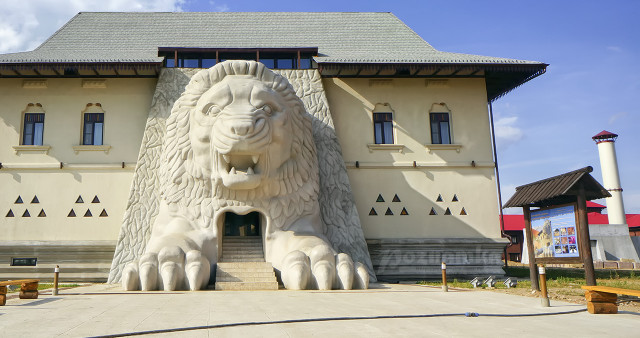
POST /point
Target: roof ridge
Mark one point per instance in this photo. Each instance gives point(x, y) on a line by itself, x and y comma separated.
point(585, 170)
point(56, 32)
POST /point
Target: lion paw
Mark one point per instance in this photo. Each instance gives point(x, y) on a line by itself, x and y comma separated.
point(322, 270)
point(170, 269)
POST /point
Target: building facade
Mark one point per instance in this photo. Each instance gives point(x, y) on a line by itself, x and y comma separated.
point(412, 124)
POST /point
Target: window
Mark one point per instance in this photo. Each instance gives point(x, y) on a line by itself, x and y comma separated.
point(383, 128)
point(440, 132)
point(33, 129)
point(93, 129)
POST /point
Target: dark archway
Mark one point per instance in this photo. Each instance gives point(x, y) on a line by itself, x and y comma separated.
point(242, 225)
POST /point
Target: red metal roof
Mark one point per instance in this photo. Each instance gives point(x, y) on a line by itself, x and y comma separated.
point(516, 222)
point(604, 135)
point(594, 205)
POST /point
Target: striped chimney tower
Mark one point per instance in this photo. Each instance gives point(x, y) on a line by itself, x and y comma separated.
point(606, 142)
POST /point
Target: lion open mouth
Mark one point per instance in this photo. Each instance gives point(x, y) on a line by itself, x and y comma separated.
point(240, 171)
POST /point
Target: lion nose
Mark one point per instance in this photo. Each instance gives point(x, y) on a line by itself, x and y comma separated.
point(242, 128)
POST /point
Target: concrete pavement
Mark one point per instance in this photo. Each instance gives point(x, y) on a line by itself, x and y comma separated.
point(103, 309)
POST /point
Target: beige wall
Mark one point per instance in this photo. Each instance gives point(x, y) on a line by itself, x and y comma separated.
point(445, 172)
point(87, 173)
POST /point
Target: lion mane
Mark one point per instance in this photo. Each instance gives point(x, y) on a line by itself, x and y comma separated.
point(197, 194)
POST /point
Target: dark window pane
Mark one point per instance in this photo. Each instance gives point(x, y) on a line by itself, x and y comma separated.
point(440, 133)
point(37, 133)
point(269, 63)
point(285, 64)
point(190, 63)
point(378, 132)
point(208, 63)
point(444, 133)
point(27, 138)
point(305, 63)
point(388, 132)
point(170, 62)
point(97, 134)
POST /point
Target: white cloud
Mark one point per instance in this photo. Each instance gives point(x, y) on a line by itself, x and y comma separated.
point(507, 133)
point(617, 116)
point(218, 7)
point(614, 49)
point(26, 24)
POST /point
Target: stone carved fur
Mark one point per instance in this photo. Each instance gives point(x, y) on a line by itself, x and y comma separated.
point(239, 140)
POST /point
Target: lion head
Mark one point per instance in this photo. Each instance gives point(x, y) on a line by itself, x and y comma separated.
point(239, 135)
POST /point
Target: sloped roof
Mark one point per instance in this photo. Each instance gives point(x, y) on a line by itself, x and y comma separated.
point(340, 37)
point(557, 190)
point(516, 222)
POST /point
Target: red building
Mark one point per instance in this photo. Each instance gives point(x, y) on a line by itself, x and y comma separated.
point(514, 224)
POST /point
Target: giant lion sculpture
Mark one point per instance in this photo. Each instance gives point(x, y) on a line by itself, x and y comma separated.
point(239, 140)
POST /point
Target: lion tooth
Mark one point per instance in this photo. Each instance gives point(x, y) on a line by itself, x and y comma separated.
point(232, 171)
point(227, 158)
point(255, 158)
point(249, 171)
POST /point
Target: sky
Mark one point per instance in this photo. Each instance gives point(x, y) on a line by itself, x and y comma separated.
point(543, 128)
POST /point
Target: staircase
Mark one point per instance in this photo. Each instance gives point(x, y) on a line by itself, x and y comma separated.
point(242, 265)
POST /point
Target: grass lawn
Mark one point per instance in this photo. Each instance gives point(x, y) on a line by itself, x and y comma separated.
point(562, 284)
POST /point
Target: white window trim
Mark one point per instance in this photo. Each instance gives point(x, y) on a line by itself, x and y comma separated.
point(32, 149)
point(77, 149)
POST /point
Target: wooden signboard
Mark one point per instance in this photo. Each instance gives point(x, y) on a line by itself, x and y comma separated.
point(554, 234)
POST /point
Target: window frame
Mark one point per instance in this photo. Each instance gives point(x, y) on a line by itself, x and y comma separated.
point(437, 135)
point(92, 115)
point(36, 134)
point(383, 119)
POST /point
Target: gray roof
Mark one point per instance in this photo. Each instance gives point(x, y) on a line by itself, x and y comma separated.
point(340, 37)
point(557, 190)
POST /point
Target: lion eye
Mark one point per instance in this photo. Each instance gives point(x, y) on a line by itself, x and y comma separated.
point(267, 109)
point(211, 110)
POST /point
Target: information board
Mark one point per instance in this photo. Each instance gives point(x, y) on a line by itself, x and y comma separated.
point(554, 233)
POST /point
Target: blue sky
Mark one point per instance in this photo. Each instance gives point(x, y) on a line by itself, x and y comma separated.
point(544, 128)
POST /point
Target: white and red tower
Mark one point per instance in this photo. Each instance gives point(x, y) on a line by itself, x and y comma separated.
point(606, 142)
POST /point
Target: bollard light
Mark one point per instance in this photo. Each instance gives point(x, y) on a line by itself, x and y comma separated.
point(491, 281)
point(544, 301)
point(445, 287)
point(476, 282)
point(56, 272)
point(511, 282)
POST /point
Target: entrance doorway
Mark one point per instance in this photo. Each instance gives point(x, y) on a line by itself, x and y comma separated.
point(242, 225)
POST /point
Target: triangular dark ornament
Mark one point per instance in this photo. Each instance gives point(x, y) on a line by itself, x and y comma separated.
point(26, 213)
point(389, 212)
point(19, 200)
point(88, 213)
point(439, 199)
point(10, 213)
point(463, 212)
point(103, 213)
point(35, 200)
point(71, 213)
point(380, 199)
point(373, 212)
point(396, 198)
point(42, 213)
point(404, 212)
point(447, 212)
point(79, 200)
point(433, 212)
point(455, 198)
point(95, 200)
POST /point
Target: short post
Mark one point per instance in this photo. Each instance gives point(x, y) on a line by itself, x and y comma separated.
point(445, 288)
point(56, 272)
point(543, 286)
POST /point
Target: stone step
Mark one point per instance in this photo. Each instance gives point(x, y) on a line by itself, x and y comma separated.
point(229, 265)
point(242, 259)
point(266, 279)
point(244, 273)
point(242, 239)
point(226, 246)
point(247, 285)
point(243, 251)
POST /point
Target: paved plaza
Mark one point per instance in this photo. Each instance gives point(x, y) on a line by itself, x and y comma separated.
point(103, 309)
